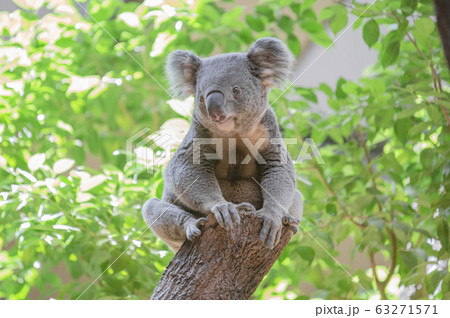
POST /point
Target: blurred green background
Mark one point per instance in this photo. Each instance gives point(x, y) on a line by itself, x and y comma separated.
point(78, 78)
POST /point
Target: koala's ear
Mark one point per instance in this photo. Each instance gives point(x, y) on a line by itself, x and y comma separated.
point(181, 71)
point(272, 59)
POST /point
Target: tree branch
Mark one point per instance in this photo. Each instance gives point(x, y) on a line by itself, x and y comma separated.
point(369, 160)
point(442, 8)
point(216, 266)
point(394, 257)
point(380, 286)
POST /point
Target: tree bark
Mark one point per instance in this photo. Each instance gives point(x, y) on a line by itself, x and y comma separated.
point(443, 24)
point(217, 267)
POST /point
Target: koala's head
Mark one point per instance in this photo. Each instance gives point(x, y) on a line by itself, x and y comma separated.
point(230, 89)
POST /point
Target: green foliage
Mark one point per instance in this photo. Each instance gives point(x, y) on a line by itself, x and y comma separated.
point(76, 83)
point(371, 32)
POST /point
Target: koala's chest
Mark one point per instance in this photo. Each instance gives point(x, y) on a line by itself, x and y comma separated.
point(236, 163)
point(240, 157)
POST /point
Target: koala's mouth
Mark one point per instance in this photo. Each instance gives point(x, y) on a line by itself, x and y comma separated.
point(227, 124)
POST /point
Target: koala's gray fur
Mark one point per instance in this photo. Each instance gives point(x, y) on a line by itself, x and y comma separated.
point(231, 103)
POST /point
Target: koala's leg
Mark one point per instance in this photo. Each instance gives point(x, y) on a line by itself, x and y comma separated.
point(295, 212)
point(170, 223)
point(296, 208)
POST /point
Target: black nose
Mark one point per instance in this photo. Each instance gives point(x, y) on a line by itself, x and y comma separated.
point(214, 106)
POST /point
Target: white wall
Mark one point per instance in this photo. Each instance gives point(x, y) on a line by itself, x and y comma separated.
point(347, 58)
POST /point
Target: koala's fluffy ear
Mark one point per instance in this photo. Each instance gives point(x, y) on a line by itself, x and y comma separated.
point(181, 71)
point(272, 59)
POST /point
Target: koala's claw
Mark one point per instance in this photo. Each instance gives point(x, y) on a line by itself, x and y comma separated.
point(245, 207)
point(226, 215)
point(271, 230)
point(292, 222)
point(193, 231)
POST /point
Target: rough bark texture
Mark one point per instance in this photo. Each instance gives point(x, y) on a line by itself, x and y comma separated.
point(443, 23)
point(217, 267)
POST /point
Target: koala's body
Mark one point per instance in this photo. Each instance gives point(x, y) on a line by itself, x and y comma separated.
point(231, 112)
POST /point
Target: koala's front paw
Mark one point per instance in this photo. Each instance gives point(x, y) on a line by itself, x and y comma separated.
point(245, 207)
point(226, 215)
point(292, 222)
point(193, 230)
point(271, 231)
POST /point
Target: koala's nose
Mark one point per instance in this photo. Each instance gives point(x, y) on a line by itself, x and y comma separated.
point(214, 106)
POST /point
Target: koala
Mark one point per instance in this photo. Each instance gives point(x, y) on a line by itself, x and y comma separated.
point(232, 110)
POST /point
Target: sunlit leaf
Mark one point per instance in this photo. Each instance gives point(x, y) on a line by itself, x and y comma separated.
point(129, 18)
point(30, 4)
point(63, 165)
point(80, 84)
point(92, 182)
point(36, 161)
point(182, 107)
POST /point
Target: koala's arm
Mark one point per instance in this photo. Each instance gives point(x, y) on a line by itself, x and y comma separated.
point(278, 173)
point(194, 183)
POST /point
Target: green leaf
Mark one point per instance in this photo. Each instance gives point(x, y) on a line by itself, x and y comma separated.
point(377, 222)
point(120, 262)
point(362, 202)
point(28, 256)
point(294, 44)
point(296, 8)
point(255, 23)
point(286, 24)
point(307, 4)
point(427, 157)
point(401, 128)
point(422, 31)
point(411, 110)
point(208, 11)
point(404, 227)
point(306, 93)
point(434, 114)
point(408, 6)
point(307, 253)
point(338, 21)
point(371, 32)
point(5, 273)
point(230, 17)
point(266, 11)
point(104, 10)
point(322, 38)
point(204, 46)
point(345, 284)
point(246, 35)
point(326, 89)
point(331, 209)
point(443, 232)
point(339, 91)
point(425, 25)
point(409, 259)
point(326, 13)
point(52, 279)
point(390, 52)
point(433, 280)
point(350, 88)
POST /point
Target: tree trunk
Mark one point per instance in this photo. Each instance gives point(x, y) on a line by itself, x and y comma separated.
point(443, 24)
point(217, 267)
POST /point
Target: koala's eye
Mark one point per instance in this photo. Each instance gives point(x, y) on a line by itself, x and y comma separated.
point(236, 91)
point(202, 99)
